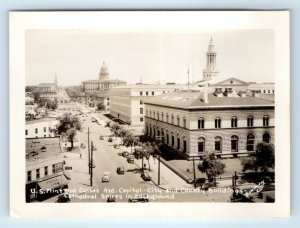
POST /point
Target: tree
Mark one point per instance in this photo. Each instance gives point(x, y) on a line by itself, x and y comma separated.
point(100, 106)
point(68, 126)
point(123, 133)
point(129, 140)
point(140, 153)
point(261, 160)
point(115, 128)
point(211, 166)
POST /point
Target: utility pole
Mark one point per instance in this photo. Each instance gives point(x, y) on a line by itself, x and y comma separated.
point(89, 150)
point(194, 172)
point(91, 164)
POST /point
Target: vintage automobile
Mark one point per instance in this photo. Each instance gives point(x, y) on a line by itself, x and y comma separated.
point(146, 177)
point(106, 177)
point(130, 159)
point(64, 198)
point(120, 170)
point(139, 199)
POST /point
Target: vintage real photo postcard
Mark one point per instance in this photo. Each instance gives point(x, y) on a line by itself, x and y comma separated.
point(149, 114)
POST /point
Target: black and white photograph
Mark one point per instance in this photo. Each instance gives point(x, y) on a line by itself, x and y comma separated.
point(152, 112)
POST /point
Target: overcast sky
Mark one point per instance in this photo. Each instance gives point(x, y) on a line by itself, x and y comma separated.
point(77, 55)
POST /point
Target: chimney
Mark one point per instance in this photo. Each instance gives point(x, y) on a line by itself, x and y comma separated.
point(218, 92)
point(229, 92)
point(256, 93)
point(205, 97)
point(242, 93)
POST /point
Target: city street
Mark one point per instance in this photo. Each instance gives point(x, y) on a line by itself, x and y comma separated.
point(129, 185)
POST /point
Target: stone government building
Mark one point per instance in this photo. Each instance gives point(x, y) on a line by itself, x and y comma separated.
point(101, 86)
point(193, 122)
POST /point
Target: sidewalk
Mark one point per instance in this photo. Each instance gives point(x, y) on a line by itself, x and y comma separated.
point(168, 179)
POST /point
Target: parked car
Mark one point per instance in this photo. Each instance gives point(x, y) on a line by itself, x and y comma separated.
point(63, 199)
point(95, 148)
point(130, 159)
point(125, 154)
point(106, 177)
point(120, 170)
point(139, 199)
point(116, 146)
point(101, 137)
point(146, 177)
point(111, 199)
point(110, 139)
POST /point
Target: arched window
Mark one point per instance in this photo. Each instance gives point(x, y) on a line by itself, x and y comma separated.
point(167, 118)
point(172, 119)
point(158, 115)
point(250, 121)
point(234, 121)
point(172, 139)
point(150, 114)
point(153, 114)
point(266, 121)
point(184, 122)
point(266, 138)
point(218, 144)
point(162, 117)
point(234, 143)
point(184, 144)
point(150, 131)
point(178, 142)
point(201, 144)
point(178, 120)
point(218, 122)
point(250, 142)
point(201, 123)
point(167, 138)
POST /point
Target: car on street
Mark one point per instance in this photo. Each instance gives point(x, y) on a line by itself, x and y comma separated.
point(130, 159)
point(64, 198)
point(110, 139)
point(125, 154)
point(106, 177)
point(116, 146)
point(101, 137)
point(146, 177)
point(120, 170)
point(111, 199)
point(139, 199)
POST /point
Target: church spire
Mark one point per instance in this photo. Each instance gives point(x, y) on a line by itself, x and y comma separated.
point(211, 70)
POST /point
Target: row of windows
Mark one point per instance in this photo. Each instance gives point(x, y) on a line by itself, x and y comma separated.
point(147, 93)
point(201, 121)
point(55, 169)
point(234, 143)
point(36, 130)
point(250, 144)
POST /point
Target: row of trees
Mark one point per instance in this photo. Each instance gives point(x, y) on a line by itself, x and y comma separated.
point(262, 160)
point(140, 150)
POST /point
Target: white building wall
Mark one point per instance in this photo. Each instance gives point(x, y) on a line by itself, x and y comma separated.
point(40, 129)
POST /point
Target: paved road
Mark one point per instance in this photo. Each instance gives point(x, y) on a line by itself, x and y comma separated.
point(123, 187)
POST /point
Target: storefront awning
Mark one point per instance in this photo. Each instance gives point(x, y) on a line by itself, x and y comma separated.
point(53, 183)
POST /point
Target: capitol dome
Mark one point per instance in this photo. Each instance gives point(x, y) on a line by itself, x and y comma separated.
point(104, 74)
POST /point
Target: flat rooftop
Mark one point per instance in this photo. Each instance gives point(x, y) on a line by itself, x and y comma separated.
point(42, 148)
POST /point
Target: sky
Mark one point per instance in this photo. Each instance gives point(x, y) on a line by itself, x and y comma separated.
point(146, 56)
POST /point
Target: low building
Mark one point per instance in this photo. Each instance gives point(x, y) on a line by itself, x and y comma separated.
point(44, 168)
point(38, 128)
point(126, 102)
point(226, 122)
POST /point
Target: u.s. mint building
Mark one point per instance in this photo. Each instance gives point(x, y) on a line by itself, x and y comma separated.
point(226, 122)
